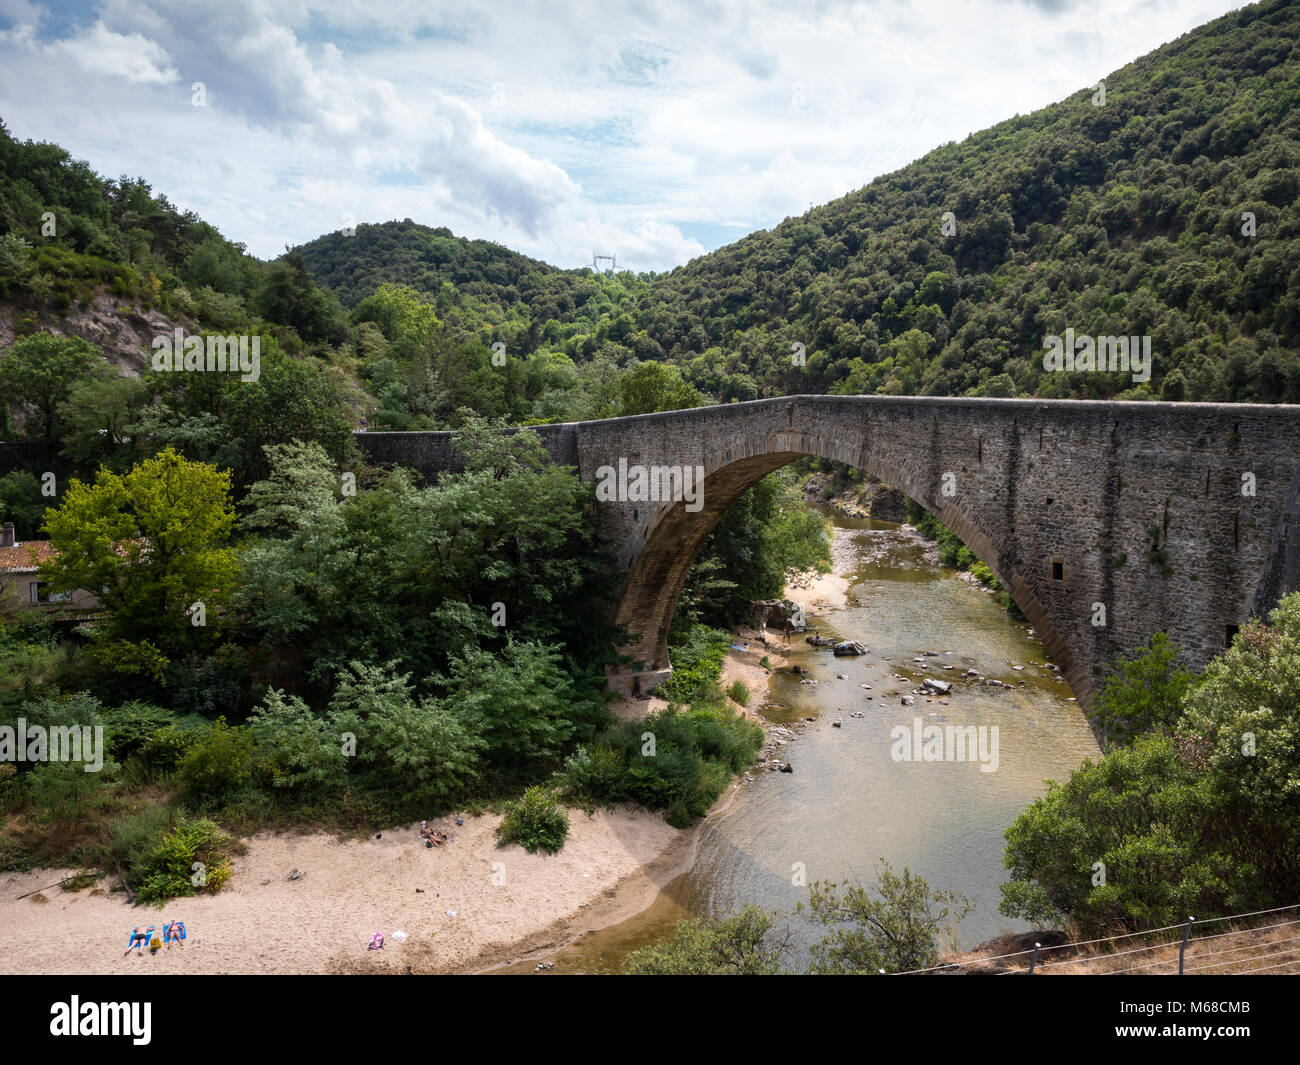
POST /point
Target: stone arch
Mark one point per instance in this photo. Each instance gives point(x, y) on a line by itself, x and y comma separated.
point(673, 537)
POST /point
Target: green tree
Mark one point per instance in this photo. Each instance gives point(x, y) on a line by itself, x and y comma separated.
point(422, 749)
point(743, 945)
point(292, 399)
point(22, 503)
point(655, 386)
point(407, 322)
point(294, 747)
point(99, 415)
point(1129, 840)
point(1144, 691)
point(39, 372)
point(521, 698)
point(1244, 716)
point(900, 930)
point(150, 544)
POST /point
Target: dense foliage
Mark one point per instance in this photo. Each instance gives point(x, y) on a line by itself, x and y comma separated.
point(1199, 815)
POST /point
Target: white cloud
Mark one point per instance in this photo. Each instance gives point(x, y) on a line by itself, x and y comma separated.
point(131, 56)
point(554, 128)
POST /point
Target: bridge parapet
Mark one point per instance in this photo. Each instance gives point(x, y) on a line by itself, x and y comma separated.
point(1106, 521)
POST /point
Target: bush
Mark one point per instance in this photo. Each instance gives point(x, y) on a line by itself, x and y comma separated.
point(1143, 692)
point(985, 575)
point(294, 747)
point(133, 840)
point(697, 663)
point(903, 928)
point(737, 692)
point(535, 821)
point(132, 725)
point(9, 790)
point(1166, 840)
point(423, 750)
point(593, 775)
point(676, 761)
point(171, 867)
point(166, 748)
point(219, 764)
point(738, 946)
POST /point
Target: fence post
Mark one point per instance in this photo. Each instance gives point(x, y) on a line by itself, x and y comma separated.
point(1187, 934)
point(1034, 960)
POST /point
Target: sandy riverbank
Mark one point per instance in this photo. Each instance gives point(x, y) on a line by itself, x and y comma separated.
point(820, 593)
point(506, 903)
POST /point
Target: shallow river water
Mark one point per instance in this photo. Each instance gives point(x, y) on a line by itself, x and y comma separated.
point(849, 800)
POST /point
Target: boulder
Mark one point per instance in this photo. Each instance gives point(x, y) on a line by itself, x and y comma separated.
point(886, 503)
point(938, 687)
point(777, 613)
point(850, 647)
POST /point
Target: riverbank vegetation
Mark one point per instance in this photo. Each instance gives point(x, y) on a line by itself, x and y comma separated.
point(315, 655)
point(900, 924)
point(1193, 809)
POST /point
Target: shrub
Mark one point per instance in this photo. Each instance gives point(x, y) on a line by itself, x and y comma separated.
point(165, 749)
point(171, 867)
point(294, 747)
point(1143, 692)
point(8, 783)
point(681, 762)
point(738, 946)
point(737, 692)
point(697, 662)
point(985, 575)
point(132, 725)
point(423, 750)
point(535, 821)
point(218, 764)
point(903, 928)
point(1164, 837)
point(594, 774)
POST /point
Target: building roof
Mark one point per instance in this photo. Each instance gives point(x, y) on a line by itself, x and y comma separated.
point(23, 557)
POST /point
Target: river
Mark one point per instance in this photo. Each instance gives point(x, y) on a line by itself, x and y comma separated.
point(848, 801)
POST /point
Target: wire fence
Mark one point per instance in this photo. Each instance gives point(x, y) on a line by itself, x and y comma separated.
point(1189, 949)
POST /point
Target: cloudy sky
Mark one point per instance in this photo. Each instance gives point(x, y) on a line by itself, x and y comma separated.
point(649, 129)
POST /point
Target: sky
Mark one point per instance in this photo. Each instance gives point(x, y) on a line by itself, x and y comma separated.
point(650, 130)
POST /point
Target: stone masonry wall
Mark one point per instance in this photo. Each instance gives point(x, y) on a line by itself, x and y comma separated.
point(1131, 510)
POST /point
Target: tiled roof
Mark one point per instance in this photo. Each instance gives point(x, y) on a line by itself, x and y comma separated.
point(24, 557)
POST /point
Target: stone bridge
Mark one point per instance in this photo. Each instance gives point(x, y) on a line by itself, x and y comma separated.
point(1106, 521)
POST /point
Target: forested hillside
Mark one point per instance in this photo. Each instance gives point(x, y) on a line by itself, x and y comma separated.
point(1169, 210)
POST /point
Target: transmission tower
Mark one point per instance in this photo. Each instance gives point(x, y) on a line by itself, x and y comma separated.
point(596, 259)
